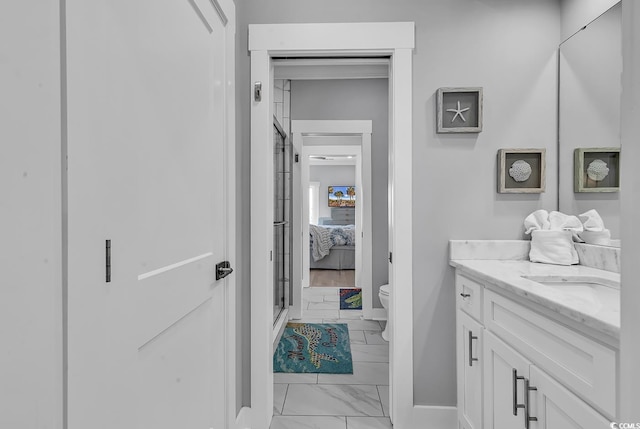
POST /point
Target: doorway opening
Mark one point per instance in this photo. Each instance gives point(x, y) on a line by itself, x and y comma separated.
point(395, 41)
point(332, 211)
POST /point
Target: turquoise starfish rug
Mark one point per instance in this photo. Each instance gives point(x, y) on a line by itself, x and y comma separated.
point(314, 348)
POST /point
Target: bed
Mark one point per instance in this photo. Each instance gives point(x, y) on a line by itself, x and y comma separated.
point(332, 247)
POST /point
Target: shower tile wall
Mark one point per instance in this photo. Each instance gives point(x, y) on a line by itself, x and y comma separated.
point(282, 103)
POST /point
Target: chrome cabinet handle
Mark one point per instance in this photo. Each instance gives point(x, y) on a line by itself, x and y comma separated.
point(516, 377)
point(471, 358)
point(527, 418)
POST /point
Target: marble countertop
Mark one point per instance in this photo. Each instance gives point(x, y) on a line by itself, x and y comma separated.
point(597, 308)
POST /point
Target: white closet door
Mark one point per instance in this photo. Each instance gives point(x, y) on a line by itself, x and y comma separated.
point(147, 123)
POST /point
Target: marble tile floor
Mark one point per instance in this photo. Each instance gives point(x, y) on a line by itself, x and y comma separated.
point(337, 401)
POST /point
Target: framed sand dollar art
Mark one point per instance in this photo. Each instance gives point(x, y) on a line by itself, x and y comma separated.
point(521, 171)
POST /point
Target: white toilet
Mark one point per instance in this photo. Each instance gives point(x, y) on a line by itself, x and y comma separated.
point(385, 290)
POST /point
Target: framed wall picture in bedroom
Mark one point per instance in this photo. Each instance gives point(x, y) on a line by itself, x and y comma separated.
point(342, 196)
point(521, 171)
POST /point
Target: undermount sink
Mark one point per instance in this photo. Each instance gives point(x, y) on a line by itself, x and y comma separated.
point(589, 294)
point(574, 281)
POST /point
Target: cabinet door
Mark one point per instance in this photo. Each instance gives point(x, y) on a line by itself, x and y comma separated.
point(505, 371)
point(555, 407)
point(469, 339)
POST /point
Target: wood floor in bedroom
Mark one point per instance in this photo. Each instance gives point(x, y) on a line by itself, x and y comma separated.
point(332, 278)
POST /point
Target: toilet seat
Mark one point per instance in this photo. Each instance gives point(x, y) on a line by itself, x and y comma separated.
point(385, 290)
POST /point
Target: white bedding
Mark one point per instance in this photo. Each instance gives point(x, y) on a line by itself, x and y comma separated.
point(324, 237)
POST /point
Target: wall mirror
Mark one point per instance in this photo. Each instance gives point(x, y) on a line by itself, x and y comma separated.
point(590, 88)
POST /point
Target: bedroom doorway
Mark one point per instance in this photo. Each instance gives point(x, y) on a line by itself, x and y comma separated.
point(332, 196)
point(343, 148)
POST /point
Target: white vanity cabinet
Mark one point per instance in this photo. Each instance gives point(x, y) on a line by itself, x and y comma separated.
point(555, 407)
point(518, 368)
point(469, 340)
point(506, 372)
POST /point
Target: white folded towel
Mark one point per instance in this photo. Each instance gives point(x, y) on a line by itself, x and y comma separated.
point(552, 237)
point(563, 222)
point(538, 220)
point(594, 230)
point(602, 238)
point(591, 221)
point(553, 247)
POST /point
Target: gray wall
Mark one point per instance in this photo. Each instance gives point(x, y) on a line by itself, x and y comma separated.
point(331, 175)
point(365, 99)
point(507, 47)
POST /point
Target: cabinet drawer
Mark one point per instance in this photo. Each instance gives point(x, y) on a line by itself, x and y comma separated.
point(469, 296)
point(583, 365)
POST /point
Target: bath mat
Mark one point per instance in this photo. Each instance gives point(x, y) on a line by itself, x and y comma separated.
point(351, 299)
point(314, 348)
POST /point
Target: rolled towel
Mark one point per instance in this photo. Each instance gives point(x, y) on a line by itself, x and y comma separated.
point(562, 222)
point(553, 247)
point(591, 221)
point(538, 220)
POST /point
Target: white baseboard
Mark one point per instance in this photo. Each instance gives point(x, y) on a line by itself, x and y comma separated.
point(433, 417)
point(243, 420)
point(376, 314)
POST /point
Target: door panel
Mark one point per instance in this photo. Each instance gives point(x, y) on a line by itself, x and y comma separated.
point(555, 407)
point(500, 361)
point(469, 371)
point(101, 348)
point(147, 129)
point(166, 298)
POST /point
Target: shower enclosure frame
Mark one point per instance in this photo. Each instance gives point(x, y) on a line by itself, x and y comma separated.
point(282, 223)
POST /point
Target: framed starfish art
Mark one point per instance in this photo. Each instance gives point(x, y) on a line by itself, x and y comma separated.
point(459, 110)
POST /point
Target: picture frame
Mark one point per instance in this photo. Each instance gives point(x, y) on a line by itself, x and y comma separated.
point(341, 196)
point(521, 171)
point(597, 169)
point(459, 110)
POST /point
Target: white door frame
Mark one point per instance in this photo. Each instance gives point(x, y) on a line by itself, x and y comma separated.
point(395, 40)
point(364, 264)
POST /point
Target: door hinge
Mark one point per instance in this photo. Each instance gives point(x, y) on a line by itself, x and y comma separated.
point(257, 91)
point(391, 257)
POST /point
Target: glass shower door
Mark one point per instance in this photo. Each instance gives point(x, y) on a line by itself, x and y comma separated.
point(282, 161)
